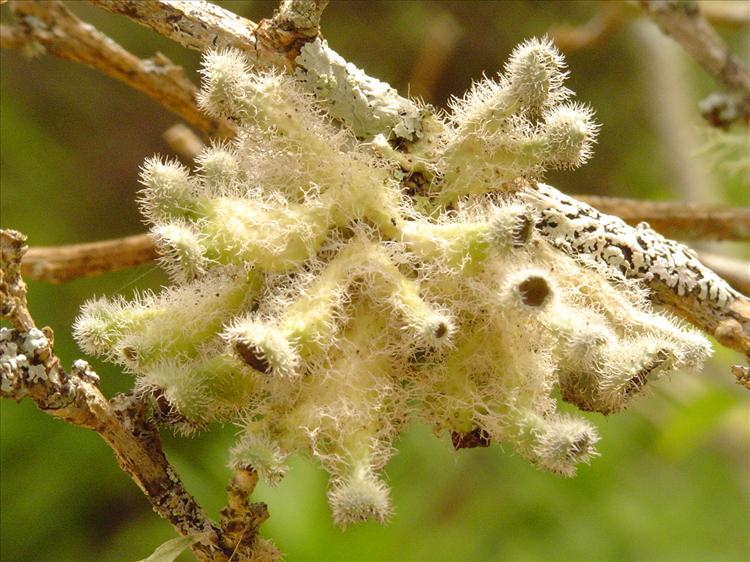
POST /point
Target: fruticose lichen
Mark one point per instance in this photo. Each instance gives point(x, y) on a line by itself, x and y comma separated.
point(332, 285)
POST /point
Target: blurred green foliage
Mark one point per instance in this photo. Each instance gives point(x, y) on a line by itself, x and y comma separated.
point(672, 479)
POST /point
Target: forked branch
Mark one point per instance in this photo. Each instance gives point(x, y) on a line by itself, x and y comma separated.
point(30, 369)
point(684, 22)
point(58, 264)
point(49, 26)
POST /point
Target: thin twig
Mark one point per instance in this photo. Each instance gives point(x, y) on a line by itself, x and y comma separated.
point(611, 16)
point(30, 369)
point(58, 264)
point(672, 114)
point(51, 25)
point(681, 220)
point(735, 271)
point(441, 36)
point(684, 22)
point(183, 141)
point(200, 25)
point(727, 13)
point(608, 20)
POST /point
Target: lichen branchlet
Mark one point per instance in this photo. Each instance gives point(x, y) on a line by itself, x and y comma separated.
point(321, 303)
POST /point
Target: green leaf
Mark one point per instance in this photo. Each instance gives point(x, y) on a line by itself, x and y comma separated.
point(170, 550)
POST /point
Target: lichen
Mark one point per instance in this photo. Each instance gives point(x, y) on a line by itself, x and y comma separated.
point(322, 304)
point(369, 106)
point(624, 251)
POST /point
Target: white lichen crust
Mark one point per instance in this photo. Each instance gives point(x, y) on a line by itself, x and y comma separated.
point(22, 362)
point(322, 304)
point(369, 106)
point(630, 252)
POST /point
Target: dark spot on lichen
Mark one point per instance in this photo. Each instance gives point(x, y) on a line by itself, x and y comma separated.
point(163, 411)
point(638, 381)
point(253, 357)
point(441, 330)
point(522, 230)
point(534, 291)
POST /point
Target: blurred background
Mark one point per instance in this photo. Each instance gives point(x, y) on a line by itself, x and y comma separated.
point(672, 479)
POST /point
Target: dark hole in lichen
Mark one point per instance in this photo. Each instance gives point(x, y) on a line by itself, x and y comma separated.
point(475, 438)
point(129, 353)
point(534, 291)
point(522, 231)
point(579, 447)
point(638, 381)
point(253, 357)
point(441, 330)
point(419, 356)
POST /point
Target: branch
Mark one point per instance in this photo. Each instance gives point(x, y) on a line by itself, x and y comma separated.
point(608, 19)
point(727, 14)
point(58, 31)
point(685, 24)
point(200, 25)
point(30, 369)
point(441, 35)
point(729, 324)
point(681, 220)
point(12, 287)
point(183, 141)
point(241, 519)
point(58, 264)
point(49, 25)
point(367, 105)
point(300, 16)
point(11, 37)
point(686, 221)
